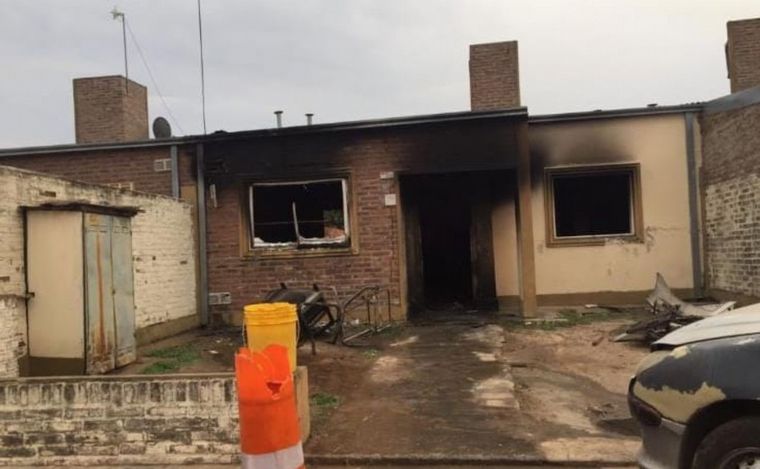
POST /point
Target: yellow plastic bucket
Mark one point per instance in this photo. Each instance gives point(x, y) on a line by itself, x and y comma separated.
point(272, 323)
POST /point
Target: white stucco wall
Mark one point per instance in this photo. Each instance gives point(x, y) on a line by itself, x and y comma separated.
point(163, 253)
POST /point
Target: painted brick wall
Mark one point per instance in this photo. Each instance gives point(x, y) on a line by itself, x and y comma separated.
point(172, 420)
point(110, 109)
point(731, 175)
point(494, 76)
point(163, 249)
point(12, 335)
point(743, 51)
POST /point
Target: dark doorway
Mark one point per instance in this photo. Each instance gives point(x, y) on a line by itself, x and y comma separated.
point(449, 241)
point(445, 233)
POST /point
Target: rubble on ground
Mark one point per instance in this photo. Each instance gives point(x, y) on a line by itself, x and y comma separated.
point(669, 313)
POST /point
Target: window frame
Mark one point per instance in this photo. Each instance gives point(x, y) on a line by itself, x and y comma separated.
point(350, 246)
point(631, 169)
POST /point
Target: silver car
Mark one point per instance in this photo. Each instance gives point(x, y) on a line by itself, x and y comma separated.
point(697, 395)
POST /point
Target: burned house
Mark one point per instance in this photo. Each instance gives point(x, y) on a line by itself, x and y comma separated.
point(491, 208)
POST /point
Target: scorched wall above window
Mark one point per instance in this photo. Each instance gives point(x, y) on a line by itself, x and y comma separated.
point(587, 204)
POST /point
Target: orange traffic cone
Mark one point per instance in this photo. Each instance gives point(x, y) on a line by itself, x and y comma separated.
point(269, 432)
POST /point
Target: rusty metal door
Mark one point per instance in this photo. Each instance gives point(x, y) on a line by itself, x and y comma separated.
point(99, 301)
point(123, 290)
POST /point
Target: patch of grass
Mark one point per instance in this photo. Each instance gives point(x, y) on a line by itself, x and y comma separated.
point(181, 354)
point(160, 367)
point(370, 353)
point(322, 405)
point(325, 400)
point(172, 359)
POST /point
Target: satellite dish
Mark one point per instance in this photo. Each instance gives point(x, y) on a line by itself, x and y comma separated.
point(161, 128)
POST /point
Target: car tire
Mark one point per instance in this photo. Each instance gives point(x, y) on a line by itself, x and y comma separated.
point(738, 440)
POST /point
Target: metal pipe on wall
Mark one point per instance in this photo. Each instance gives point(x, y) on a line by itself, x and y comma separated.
point(202, 251)
point(175, 171)
point(694, 218)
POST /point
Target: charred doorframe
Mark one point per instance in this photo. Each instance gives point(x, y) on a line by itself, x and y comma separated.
point(481, 250)
point(526, 244)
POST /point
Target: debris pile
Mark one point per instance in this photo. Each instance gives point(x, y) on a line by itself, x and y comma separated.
point(669, 313)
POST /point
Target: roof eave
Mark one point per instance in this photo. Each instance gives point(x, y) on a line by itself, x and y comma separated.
point(392, 122)
point(615, 113)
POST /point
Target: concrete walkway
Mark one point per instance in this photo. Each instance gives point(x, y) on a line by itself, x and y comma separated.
point(446, 394)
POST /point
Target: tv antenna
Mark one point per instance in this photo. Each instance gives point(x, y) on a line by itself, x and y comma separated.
point(118, 15)
point(203, 75)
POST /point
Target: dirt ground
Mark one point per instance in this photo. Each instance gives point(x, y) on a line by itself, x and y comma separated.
point(192, 352)
point(584, 350)
point(542, 391)
point(474, 388)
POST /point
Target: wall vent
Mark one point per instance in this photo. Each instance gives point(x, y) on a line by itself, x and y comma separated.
point(164, 164)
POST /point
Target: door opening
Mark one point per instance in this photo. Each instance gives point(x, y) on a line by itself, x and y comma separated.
point(447, 220)
point(445, 236)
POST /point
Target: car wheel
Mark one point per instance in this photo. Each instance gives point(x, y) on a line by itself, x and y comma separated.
point(733, 445)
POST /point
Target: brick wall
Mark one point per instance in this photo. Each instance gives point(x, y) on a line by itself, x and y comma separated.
point(121, 166)
point(494, 76)
point(743, 54)
point(163, 250)
point(363, 157)
point(173, 420)
point(731, 185)
point(110, 109)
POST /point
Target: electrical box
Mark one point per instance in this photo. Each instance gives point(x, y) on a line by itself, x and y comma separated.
point(219, 298)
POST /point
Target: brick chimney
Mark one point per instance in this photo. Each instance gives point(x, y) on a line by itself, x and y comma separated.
point(494, 76)
point(110, 109)
point(743, 54)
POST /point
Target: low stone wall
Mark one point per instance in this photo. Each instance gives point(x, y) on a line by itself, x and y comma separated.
point(169, 419)
point(123, 420)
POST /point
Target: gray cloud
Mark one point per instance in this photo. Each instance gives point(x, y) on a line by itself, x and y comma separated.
point(352, 59)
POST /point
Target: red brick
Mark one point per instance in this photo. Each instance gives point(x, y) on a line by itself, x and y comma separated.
point(110, 109)
point(743, 54)
point(494, 76)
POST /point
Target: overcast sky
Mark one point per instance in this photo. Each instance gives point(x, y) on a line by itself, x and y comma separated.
point(354, 59)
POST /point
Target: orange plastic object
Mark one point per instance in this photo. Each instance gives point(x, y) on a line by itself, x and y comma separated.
point(266, 399)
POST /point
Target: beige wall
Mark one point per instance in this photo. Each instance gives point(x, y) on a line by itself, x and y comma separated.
point(505, 253)
point(162, 243)
point(658, 144)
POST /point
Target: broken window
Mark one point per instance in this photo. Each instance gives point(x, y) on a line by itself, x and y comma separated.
point(299, 214)
point(592, 203)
